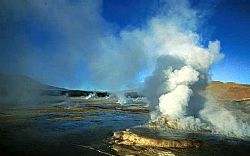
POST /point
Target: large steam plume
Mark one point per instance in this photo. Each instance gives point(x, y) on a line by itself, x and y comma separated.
point(182, 72)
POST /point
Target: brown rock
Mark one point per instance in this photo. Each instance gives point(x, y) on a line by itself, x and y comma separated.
point(229, 91)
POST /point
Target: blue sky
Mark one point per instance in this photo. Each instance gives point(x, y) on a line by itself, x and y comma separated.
point(231, 22)
point(54, 42)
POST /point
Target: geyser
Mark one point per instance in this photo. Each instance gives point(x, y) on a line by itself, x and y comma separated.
point(182, 72)
point(176, 61)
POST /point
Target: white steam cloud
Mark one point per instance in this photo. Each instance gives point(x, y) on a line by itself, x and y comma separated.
point(178, 83)
point(182, 72)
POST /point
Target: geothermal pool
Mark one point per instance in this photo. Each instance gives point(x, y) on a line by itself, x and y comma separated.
point(75, 126)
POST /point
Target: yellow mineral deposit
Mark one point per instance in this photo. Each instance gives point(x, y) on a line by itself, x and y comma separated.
point(130, 138)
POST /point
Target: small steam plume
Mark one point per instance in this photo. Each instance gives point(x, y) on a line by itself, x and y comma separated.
point(223, 120)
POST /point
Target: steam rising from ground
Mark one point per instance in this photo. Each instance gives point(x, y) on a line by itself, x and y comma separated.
point(182, 72)
point(224, 121)
point(174, 102)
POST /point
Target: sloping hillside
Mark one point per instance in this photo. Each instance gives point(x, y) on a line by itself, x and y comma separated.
point(21, 84)
point(16, 89)
point(20, 89)
point(229, 91)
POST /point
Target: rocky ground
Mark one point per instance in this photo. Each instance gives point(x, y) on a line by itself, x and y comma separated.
point(229, 91)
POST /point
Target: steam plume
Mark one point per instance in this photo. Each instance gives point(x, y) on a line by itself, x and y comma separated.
point(182, 72)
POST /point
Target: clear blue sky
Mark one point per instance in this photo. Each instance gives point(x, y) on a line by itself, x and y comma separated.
point(231, 21)
point(36, 37)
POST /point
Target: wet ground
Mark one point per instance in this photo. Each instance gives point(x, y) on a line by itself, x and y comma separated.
point(70, 127)
point(76, 126)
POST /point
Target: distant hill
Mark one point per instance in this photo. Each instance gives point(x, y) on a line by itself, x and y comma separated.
point(18, 84)
point(229, 91)
point(16, 89)
point(19, 88)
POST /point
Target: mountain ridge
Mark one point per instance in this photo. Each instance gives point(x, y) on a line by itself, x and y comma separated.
point(20, 85)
